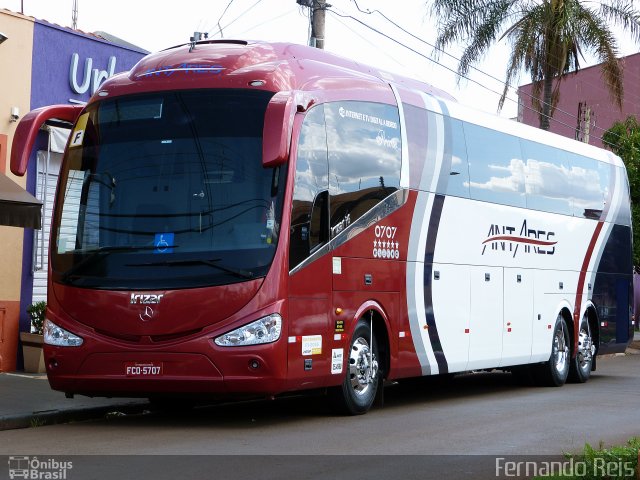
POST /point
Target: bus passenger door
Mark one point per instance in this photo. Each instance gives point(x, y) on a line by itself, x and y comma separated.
point(309, 257)
point(309, 344)
point(485, 325)
point(517, 327)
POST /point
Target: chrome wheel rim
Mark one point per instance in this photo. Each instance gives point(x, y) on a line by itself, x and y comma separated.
point(363, 367)
point(586, 348)
point(560, 350)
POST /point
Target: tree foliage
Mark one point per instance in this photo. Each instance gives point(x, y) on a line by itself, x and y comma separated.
point(547, 38)
point(623, 139)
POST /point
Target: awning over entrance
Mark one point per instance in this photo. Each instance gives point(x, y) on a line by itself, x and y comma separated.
point(18, 208)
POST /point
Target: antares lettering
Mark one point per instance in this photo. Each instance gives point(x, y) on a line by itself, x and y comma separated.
point(168, 70)
point(503, 238)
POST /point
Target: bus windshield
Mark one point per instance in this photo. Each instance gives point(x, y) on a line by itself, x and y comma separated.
point(167, 190)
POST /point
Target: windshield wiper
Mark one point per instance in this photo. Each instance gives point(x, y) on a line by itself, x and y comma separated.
point(103, 252)
point(197, 261)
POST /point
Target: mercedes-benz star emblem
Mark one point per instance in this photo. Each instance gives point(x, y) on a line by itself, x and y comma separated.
point(146, 314)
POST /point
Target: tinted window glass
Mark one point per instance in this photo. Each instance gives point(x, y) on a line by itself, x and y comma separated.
point(167, 190)
point(456, 151)
point(425, 145)
point(589, 186)
point(547, 178)
point(624, 215)
point(496, 169)
point(309, 212)
point(364, 158)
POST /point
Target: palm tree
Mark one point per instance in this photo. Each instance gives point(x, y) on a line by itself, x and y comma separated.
point(547, 39)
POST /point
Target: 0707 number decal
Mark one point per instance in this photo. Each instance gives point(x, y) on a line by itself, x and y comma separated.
point(384, 245)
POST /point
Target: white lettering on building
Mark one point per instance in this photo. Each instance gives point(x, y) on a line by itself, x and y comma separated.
point(92, 78)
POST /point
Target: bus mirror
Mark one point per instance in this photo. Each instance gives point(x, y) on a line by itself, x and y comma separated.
point(28, 129)
point(278, 125)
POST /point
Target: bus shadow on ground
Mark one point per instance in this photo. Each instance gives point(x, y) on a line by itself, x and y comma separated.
point(416, 393)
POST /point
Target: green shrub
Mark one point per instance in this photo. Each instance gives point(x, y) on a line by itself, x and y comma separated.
point(36, 313)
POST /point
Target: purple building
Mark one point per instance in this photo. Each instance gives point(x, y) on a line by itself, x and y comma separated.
point(49, 64)
point(585, 109)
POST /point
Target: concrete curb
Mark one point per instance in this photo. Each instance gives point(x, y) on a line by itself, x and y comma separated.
point(81, 414)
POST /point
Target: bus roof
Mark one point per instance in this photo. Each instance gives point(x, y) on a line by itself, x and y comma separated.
point(323, 76)
point(267, 66)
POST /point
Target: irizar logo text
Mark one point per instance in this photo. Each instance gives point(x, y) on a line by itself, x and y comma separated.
point(145, 299)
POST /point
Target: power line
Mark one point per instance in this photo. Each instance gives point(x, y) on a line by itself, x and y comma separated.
point(235, 19)
point(557, 110)
point(264, 22)
point(442, 65)
point(220, 19)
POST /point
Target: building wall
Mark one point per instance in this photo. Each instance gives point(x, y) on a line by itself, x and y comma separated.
point(15, 91)
point(52, 61)
point(37, 64)
point(588, 87)
point(53, 82)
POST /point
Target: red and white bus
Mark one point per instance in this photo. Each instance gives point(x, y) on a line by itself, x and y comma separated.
point(249, 219)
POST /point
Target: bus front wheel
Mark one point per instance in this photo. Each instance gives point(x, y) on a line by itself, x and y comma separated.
point(358, 390)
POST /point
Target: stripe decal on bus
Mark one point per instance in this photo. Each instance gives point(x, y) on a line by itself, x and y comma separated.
point(436, 345)
point(422, 238)
point(597, 244)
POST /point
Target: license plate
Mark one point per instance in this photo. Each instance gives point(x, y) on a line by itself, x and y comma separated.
point(135, 369)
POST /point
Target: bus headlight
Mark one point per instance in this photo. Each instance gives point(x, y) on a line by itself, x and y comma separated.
point(265, 330)
point(58, 336)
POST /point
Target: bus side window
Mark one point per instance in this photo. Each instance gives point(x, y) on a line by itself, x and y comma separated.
point(309, 210)
point(624, 215)
point(422, 126)
point(364, 146)
point(589, 186)
point(548, 178)
point(496, 168)
point(456, 151)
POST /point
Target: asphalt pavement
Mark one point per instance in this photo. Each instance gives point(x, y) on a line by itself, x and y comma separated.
point(26, 400)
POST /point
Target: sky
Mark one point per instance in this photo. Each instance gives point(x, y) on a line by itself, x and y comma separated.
point(155, 25)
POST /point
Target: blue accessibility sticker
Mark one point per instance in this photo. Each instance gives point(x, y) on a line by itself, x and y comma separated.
point(163, 243)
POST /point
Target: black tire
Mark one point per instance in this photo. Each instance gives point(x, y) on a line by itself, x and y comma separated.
point(581, 364)
point(361, 382)
point(554, 372)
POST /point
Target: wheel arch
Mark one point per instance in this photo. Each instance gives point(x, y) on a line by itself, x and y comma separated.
point(594, 323)
point(565, 312)
point(381, 328)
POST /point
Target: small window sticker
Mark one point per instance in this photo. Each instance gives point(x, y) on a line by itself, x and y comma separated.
point(337, 266)
point(312, 345)
point(337, 356)
point(163, 243)
point(77, 136)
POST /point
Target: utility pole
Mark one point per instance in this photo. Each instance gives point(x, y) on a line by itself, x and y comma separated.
point(74, 15)
point(317, 17)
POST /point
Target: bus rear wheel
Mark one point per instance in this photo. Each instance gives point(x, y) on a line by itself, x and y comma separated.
point(581, 365)
point(358, 390)
point(554, 372)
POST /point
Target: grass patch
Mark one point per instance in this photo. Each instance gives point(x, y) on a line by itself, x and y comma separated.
point(614, 463)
